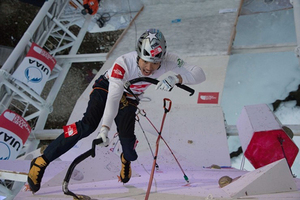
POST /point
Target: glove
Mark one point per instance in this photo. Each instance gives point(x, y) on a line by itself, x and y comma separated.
point(103, 134)
point(167, 84)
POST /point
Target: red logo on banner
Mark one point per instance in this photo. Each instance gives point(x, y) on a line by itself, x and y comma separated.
point(14, 131)
point(118, 72)
point(42, 55)
point(16, 124)
point(208, 97)
point(70, 130)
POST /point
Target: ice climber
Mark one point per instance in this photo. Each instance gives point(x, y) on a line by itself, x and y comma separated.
point(110, 102)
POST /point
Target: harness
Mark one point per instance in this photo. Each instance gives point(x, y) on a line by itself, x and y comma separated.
point(124, 102)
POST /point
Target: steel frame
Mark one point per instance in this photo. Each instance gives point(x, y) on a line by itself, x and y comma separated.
point(52, 30)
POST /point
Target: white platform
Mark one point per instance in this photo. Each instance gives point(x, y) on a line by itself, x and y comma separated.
point(169, 185)
point(273, 178)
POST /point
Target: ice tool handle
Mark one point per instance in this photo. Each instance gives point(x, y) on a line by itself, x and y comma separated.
point(91, 152)
point(153, 81)
point(167, 105)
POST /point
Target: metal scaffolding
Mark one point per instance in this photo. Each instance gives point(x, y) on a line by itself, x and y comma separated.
point(52, 30)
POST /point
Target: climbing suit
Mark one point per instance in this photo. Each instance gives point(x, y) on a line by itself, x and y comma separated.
point(125, 122)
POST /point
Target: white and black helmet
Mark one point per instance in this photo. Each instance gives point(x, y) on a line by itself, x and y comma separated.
point(151, 46)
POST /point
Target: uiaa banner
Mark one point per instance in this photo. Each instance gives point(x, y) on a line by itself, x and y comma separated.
point(35, 68)
point(14, 131)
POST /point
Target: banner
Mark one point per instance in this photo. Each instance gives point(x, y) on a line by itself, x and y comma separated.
point(208, 98)
point(14, 131)
point(35, 69)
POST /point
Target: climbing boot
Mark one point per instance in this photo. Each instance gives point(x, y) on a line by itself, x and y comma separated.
point(125, 173)
point(36, 172)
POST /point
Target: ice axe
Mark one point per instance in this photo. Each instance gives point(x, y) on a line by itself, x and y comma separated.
point(91, 152)
point(153, 81)
point(167, 107)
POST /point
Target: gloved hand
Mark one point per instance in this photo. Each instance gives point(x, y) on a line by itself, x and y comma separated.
point(104, 135)
point(168, 83)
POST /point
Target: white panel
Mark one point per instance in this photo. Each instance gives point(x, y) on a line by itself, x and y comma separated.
point(273, 178)
point(197, 134)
